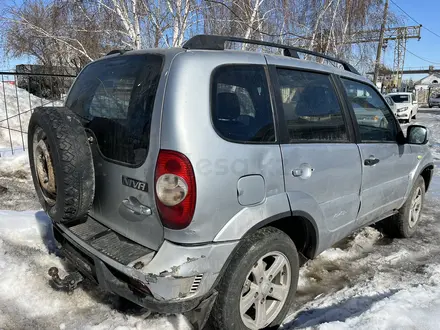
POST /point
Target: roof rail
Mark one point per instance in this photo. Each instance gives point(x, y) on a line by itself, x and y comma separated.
point(216, 42)
point(117, 51)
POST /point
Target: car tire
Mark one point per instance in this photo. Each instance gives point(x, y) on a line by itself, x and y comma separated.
point(238, 289)
point(404, 223)
point(414, 116)
point(61, 163)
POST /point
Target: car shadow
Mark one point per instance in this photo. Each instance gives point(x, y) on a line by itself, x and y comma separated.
point(340, 312)
point(46, 232)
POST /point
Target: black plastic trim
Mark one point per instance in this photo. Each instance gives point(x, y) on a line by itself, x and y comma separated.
point(101, 274)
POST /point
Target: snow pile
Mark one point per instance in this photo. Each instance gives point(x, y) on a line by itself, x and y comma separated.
point(16, 186)
point(15, 166)
point(12, 102)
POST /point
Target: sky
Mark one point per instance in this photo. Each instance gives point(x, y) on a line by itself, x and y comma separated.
point(425, 12)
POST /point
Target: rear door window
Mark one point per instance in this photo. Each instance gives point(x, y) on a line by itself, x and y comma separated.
point(311, 107)
point(241, 107)
point(115, 98)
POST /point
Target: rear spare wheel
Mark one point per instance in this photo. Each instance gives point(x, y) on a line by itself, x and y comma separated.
point(61, 163)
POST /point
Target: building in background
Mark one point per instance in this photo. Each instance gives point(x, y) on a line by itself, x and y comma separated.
point(425, 86)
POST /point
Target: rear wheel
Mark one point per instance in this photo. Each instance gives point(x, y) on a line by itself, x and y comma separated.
point(404, 223)
point(259, 284)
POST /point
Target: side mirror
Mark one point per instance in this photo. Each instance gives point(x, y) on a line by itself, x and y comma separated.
point(417, 134)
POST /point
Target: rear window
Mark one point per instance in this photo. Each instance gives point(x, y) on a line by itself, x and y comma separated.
point(115, 98)
point(400, 98)
point(241, 107)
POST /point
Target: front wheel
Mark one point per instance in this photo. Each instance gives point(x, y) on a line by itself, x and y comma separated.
point(259, 284)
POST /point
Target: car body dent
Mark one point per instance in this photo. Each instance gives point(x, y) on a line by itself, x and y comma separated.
point(172, 270)
point(274, 207)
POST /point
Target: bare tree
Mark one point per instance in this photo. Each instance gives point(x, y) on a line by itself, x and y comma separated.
point(61, 33)
point(77, 31)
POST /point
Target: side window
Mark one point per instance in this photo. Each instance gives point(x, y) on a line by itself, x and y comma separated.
point(241, 107)
point(311, 107)
point(376, 121)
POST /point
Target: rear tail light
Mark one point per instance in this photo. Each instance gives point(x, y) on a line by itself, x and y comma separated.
point(175, 189)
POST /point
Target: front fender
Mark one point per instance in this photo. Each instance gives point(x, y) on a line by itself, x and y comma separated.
point(425, 160)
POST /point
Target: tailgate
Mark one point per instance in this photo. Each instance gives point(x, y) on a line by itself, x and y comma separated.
point(116, 99)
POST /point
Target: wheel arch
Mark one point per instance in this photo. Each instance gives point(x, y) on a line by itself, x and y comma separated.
point(426, 174)
point(299, 226)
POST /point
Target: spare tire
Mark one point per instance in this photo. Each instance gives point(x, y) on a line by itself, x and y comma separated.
point(61, 163)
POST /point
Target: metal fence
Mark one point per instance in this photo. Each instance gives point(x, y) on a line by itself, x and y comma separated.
point(20, 93)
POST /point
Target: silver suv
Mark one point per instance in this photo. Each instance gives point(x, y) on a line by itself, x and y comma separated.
point(197, 180)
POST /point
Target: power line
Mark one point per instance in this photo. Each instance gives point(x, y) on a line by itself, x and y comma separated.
point(423, 59)
point(424, 27)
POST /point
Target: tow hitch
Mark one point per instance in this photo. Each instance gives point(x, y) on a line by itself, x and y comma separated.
point(68, 283)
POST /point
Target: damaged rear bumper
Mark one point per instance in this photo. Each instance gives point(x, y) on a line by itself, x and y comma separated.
point(175, 279)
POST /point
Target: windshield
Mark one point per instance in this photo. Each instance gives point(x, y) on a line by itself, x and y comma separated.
point(435, 96)
point(400, 98)
point(115, 97)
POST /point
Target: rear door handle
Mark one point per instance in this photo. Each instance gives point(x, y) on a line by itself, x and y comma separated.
point(371, 161)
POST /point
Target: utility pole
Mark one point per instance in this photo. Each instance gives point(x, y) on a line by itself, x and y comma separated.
point(379, 47)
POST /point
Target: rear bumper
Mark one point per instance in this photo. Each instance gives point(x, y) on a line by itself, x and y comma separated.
point(174, 279)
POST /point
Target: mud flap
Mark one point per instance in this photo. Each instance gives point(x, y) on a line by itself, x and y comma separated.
point(199, 315)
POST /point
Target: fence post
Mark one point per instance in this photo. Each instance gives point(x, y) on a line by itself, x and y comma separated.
point(19, 114)
point(7, 116)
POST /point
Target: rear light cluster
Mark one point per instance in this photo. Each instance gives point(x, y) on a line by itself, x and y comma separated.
point(175, 189)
